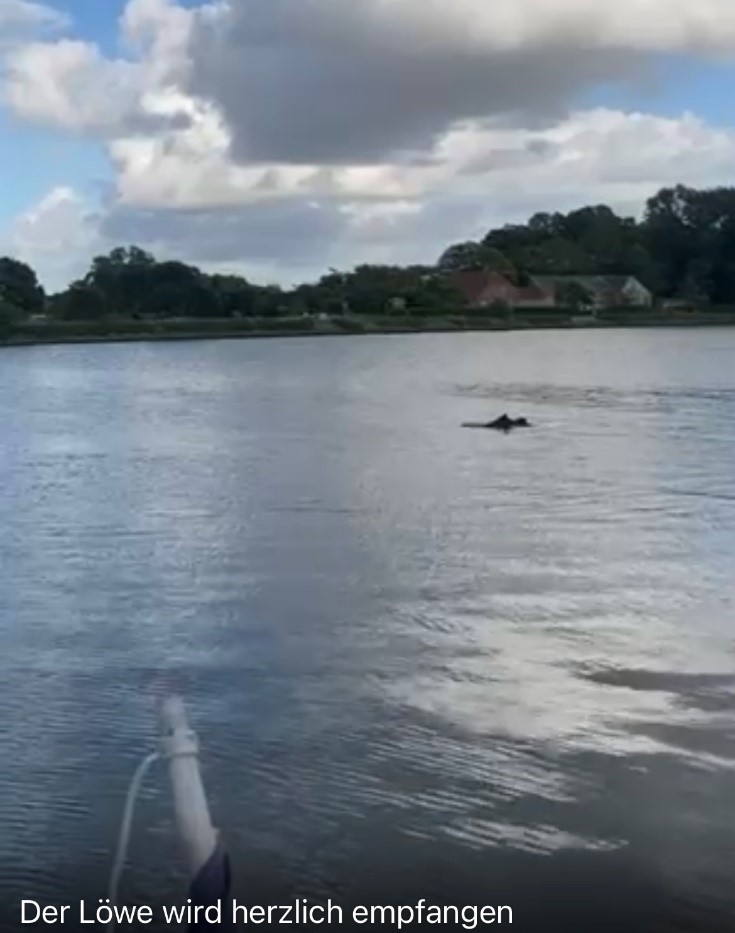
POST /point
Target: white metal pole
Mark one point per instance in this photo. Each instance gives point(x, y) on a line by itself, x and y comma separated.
point(181, 748)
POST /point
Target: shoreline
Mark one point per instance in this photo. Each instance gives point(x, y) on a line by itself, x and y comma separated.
point(40, 334)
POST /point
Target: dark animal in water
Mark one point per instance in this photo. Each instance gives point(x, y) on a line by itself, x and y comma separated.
point(503, 423)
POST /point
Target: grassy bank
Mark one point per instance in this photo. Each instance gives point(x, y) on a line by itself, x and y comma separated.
point(123, 329)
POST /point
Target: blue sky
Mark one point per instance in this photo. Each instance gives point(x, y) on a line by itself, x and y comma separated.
point(94, 19)
point(676, 83)
point(38, 159)
point(354, 134)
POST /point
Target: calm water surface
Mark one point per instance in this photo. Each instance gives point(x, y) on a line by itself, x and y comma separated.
point(423, 661)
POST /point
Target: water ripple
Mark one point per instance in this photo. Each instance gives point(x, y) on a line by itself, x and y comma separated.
point(415, 655)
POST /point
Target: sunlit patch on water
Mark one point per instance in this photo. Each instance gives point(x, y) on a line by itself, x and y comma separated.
point(638, 399)
point(537, 840)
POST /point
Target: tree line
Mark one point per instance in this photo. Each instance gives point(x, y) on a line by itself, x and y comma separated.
point(682, 247)
point(131, 283)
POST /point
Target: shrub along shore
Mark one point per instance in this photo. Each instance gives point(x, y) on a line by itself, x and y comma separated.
point(125, 329)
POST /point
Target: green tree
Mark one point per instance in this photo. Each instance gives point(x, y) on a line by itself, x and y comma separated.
point(80, 302)
point(9, 317)
point(235, 294)
point(269, 301)
point(670, 237)
point(19, 286)
point(547, 225)
point(368, 289)
point(513, 241)
point(134, 284)
point(690, 235)
point(124, 278)
point(176, 289)
point(590, 240)
point(471, 255)
point(556, 256)
point(574, 295)
point(434, 294)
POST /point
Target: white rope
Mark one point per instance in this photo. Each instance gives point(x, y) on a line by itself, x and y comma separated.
point(123, 841)
point(127, 822)
point(178, 742)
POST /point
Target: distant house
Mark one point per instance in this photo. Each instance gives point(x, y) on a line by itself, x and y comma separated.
point(534, 295)
point(605, 291)
point(482, 289)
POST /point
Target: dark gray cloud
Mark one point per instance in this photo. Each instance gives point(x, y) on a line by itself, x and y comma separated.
point(294, 233)
point(323, 82)
point(296, 239)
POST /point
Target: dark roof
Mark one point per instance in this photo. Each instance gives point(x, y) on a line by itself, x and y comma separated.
point(535, 290)
point(473, 282)
point(595, 283)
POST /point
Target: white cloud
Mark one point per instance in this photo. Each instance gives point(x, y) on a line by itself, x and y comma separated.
point(611, 152)
point(71, 85)
point(158, 34)
point(286, 136)
point(22, 21)
point(329, 81)
point(602, 149)
point(57, 236)
point(477, 176)
point(21, 17)
point(363, 81)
